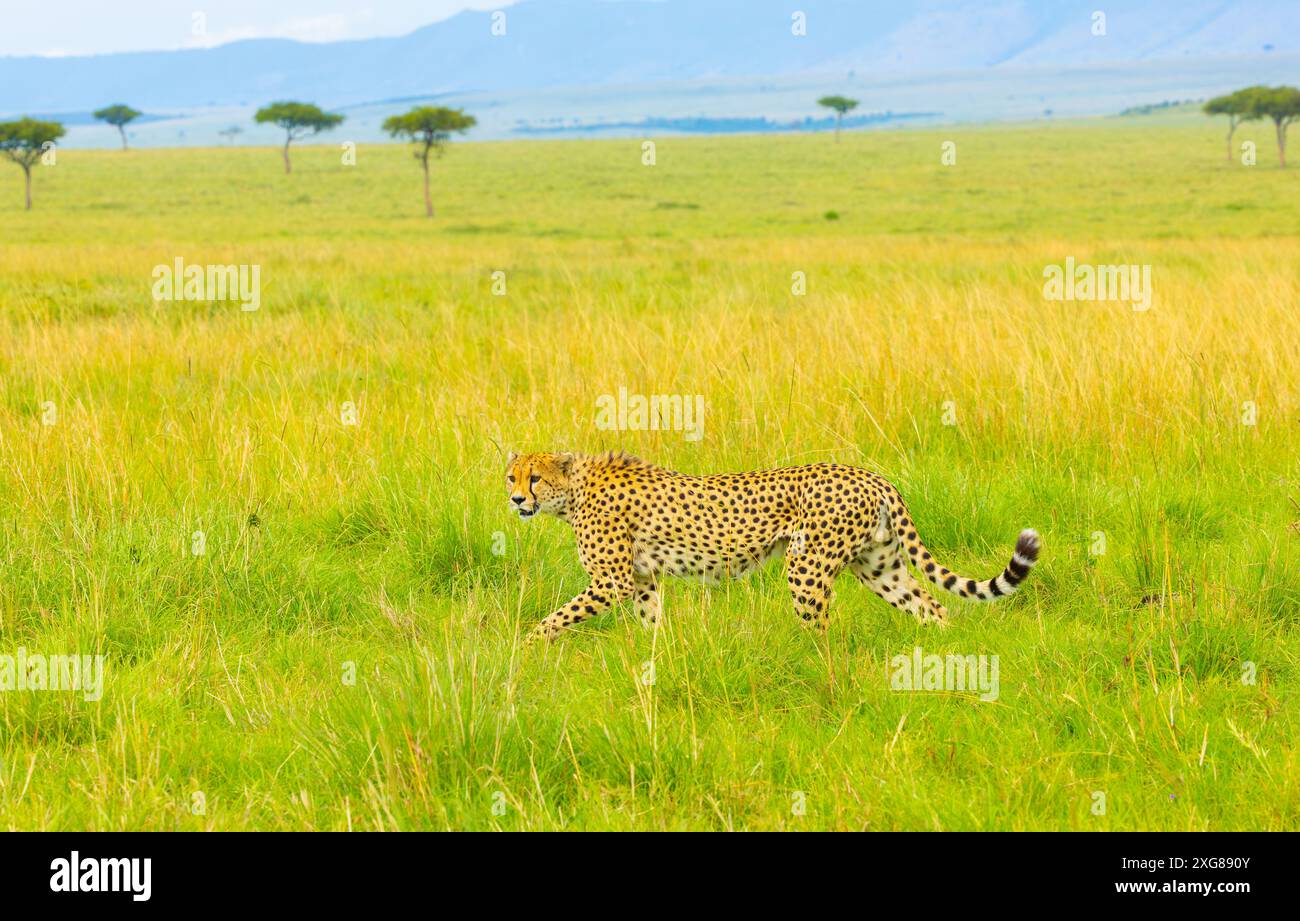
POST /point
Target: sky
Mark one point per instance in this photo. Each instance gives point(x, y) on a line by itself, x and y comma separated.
point(76, 27)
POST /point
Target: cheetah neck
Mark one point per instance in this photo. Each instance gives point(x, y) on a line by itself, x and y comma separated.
point(575, 495)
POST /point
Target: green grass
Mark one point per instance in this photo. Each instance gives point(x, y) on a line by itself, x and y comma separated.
point(385, 550)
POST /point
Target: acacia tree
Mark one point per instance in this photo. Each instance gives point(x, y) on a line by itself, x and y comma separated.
point(1234, 105)
point(299, 120)
point(24, 141)
point(119, 116)
point(841, 105)
point(430, 128)
point(1282, 105)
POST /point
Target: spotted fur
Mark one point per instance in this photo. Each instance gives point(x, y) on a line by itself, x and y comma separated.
point(636, 523)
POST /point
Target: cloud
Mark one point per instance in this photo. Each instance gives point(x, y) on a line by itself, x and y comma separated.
point(84, 27)
point(329, 28)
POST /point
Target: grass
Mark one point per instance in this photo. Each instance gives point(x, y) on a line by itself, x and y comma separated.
point(344, 654)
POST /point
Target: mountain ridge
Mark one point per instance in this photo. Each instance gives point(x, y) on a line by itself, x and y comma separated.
point(551, 43)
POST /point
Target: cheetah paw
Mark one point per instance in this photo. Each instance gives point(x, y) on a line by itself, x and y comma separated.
point(539, 634)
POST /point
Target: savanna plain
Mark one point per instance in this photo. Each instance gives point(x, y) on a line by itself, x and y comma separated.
point(286, 530)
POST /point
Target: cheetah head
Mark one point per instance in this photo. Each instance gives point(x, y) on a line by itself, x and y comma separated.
point(538, 483)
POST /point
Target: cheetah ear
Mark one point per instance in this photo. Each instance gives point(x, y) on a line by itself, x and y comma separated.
point(564, 462)
point(510, 461)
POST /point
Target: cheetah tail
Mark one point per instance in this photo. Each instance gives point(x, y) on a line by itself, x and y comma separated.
point(1005, 583)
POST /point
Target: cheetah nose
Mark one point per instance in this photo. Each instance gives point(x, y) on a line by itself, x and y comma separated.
point(517, 500)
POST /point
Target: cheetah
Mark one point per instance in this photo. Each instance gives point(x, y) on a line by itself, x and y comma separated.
point(636, 522)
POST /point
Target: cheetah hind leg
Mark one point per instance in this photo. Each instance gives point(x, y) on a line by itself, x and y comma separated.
point(881, 569)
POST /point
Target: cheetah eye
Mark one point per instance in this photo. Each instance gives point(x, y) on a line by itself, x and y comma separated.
point(534, 478)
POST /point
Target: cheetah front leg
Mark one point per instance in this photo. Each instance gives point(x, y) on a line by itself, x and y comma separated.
point(606, 554)
point(647, 600)
point(811, 575)
point(598, 597)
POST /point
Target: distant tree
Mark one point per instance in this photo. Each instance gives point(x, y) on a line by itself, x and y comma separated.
point(1282, 105)
point(24, 140)
point(299, 120)
point(841, 105)
point(231, 133)
point(430, 128)
point(1237, 107)
point(119, 116)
